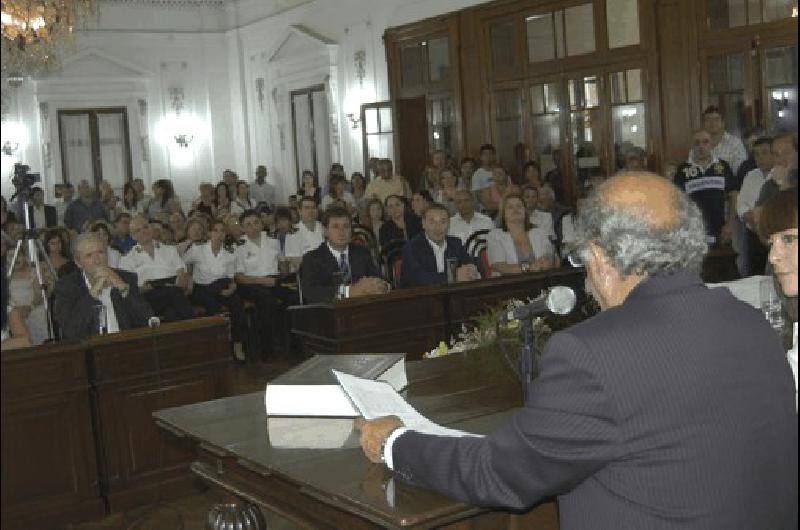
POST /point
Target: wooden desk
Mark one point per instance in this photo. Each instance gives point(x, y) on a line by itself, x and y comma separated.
point(49, 467)
point(338, 488)
point(135, 373)
point(413, 321)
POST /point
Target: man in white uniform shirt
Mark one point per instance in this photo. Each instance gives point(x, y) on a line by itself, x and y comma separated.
point(467, 221)
point(257, 278)
point(309, 234)
point(541, 220)
point(162, 274)
point(96, 295)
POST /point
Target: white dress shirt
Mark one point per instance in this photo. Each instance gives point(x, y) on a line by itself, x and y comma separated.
point(113, 257)
point(438, 253)
point(165, 262)
point(751, 189)
point(207, 267)
point(112, 325)
point(462, 229)
point(482, 178)
point(303, 240)
point(500, 246)
point(61, 207)
point(258, 259)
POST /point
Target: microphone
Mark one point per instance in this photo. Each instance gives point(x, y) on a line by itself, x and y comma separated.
point(560, 300)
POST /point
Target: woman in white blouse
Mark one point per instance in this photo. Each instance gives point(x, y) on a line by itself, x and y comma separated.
point(213, 267)
point(518, 246)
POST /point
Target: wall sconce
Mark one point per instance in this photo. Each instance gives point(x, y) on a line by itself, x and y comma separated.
point(354, 121)
point(360, 62)
point(183, 140)
point(10, 148)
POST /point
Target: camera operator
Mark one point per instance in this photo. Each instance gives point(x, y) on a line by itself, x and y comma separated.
point(41, 215)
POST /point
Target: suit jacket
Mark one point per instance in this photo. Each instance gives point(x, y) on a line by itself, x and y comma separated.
point(74, 305)
point(672, 411)
point(316, 271)
point(419, 263)
point(50, 216)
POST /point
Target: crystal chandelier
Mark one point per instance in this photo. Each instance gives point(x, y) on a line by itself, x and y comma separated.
point(36, 31)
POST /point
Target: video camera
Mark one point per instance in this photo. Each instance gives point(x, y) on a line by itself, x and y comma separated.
point(23, 179)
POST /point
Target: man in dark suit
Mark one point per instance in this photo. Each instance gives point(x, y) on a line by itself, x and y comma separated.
point(359, 274)
point(426, 255)
point(41, 215)
point(80, 295)
point(671, 409)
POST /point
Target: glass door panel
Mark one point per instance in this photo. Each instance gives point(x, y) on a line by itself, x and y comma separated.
point(76, 148)
point(628, 118)
point(113, 149)
point(726, 89)
point(586, 126)
point(780, 85)
point(508, 126)
point(546, 124)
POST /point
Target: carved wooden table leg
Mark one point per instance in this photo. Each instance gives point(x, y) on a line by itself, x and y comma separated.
point(239, 515)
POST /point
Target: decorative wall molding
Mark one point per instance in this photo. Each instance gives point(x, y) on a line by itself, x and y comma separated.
point(171, 4)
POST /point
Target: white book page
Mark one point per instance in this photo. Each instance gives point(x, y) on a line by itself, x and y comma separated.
point(375, 399)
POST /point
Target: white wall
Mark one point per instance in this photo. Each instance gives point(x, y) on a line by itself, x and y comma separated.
point(217, 56)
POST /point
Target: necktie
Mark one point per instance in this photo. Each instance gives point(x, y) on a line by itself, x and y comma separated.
point(344, 267)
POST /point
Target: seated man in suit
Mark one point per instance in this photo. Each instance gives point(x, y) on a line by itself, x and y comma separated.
point(162, 275)
point(360, 276)
point(648, 415)
point(79, 295)
point(426, 255)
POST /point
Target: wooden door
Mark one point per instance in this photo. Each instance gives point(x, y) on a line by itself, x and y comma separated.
point(412, 139)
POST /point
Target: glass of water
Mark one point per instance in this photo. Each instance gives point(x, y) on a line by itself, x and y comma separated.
point(771, 304)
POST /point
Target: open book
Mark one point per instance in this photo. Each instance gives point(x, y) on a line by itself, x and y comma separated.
point(375, 399)
point(310, 389)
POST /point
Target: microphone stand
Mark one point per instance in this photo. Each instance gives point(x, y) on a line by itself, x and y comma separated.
point(527, 361)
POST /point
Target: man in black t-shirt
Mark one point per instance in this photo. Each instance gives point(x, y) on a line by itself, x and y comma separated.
point(709, 182)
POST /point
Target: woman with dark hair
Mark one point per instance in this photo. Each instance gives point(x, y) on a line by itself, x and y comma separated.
point(213, 268)
point(164, 200)
point(222, 199)
point(401, 223)
point(56, 245)
point(374, 216)
point(778, 226)
point(130, 202)
point(516, 246)
point(309, 186)
point(359, 186)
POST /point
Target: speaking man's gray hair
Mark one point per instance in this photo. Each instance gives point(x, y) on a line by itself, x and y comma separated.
point(634, 245)
point(85, 238)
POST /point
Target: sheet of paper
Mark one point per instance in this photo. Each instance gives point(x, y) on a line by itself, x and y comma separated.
point(375, 399)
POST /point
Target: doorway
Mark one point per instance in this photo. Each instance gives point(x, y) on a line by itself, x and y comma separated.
point(312, 147)
point(95, 146)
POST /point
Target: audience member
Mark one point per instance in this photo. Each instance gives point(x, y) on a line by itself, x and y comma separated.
point(222, 200)
point(261, 191)
point(141, 197)
point(162, 276)
point(25, 294)
point(482, 177)
point(516, 246)
point(532, 174)
point(164, 200)
point(283, 226)
point(230, 178)
point(80, 294)
point(207, 201)
point(446, 196)
point(243, 201)
point(541, 220)
point(66, 191)
point(491, 196)
point(467, 169)
point(420, 201)
point(177, 222)
point(709, 182)
point(359, 275)
point(400, 224)
point(467, 221)
point(784, 170)
point(387, 183)
point(635, 159)
point(257, 278)
point(41, 215)
point(14, 333)
point(309, 187)
point(778, 226)
point(724, 146)
point(336, 191)
point(56, 245)
point(122, 233)
point(374, 217)
point(755, 252)
point(434, 258)
point(83, 210)
point(213, 267)
point(110, 202)
point(131, 204)
point(309, 233)
point(195, 235)
point(359, 186)
point(102, 228)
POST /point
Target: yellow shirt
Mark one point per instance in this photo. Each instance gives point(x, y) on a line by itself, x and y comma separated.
point(382, 188)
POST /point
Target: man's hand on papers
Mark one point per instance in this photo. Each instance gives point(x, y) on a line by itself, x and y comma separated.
point(374, 434)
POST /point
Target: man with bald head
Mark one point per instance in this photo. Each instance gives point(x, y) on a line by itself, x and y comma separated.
point(673, 408)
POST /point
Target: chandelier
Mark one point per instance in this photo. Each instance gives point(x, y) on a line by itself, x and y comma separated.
point(34, 33)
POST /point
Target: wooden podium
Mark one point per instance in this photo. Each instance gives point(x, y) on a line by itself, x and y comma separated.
point(322, 480)
point(413, 321)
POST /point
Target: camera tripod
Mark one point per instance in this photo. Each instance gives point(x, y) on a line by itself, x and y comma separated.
point(31, 244)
